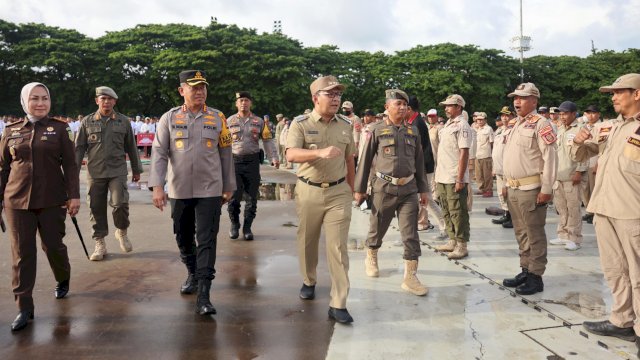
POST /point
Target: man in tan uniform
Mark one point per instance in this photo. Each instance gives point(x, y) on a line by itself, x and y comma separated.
point(497, 156)
point(589, 181)
point(347, 109)
point(400, 175)
point(567, 188)
point(484, 164)
point(322, 143)
point(615, 202)
point(452, 176)
point(530, 165)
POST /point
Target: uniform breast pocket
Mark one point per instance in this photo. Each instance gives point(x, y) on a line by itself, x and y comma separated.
point(94, 134)
point(525, 139)
point(179, 139)
point(18, 147)
point(236, 133)
point(388, 147)
point(630, 160)
point(312, 141)
point(119, 133)
point(209, 138)
point(410, 146)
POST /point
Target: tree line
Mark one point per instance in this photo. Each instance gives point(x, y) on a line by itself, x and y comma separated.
point(142, 65)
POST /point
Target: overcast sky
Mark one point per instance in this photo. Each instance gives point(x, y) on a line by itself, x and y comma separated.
point(558, 27)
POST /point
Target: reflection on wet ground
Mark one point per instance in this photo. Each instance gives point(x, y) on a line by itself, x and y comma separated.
point(277, 191)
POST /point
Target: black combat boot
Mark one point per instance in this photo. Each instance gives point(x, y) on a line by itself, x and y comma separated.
point(190, 285)
point(517, 280)
point(246, 229)
point(506, 217)
point(203, 304)
point(235, 227)
point(508, 224)
point(531, 286)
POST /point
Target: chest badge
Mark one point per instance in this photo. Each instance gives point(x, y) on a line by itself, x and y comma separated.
point(93, 137)
point(179, 133)
point(12, 151)
point(209, 144)
point(179, 144)
point(50, 128)
point(44, 138)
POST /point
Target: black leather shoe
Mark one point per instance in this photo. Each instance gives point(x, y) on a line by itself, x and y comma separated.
point(532, 285)
point(517, 280)
point(248, 235)
point(307, 292)
point(61, 289)
point(22, 320)
point(234, 231)
point(590, 220)
point(340, 315)
point(507, 225)
point(606, 328)
point(500, 220)
point(190, 285)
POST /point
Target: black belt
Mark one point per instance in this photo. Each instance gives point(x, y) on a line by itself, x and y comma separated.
point(246, 157)
point(323, 185)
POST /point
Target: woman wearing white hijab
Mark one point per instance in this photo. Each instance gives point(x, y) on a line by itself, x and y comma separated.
point(39, 185)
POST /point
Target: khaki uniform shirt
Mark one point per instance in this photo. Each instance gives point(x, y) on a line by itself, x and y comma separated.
point(434, 139)
point(616, 192)
point(497, 151)
point(398, 153)
point(455, 135)
point(196, 148)
point(279, 128)
point(567, 166)
point(310, 132)
point(246, 133)
point(37, 165)
point(485, 138)
point(530, 149)
point(106, 140)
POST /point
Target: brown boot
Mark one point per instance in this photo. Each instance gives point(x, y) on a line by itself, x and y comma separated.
point(459, 252)
point(371, 263)
point(449, 246)
point(411, 283)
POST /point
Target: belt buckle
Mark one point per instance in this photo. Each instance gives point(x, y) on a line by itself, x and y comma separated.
point(401, 181)
point(324, 185)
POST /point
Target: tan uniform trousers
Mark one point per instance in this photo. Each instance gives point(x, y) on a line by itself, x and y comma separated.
point(499, 185)
point(588, 185)
point(528, 223)
point(330, 207)
point(566, 198)
point(423, 214)
point(619, 246)
point(97, 191)
point(23, 224)
point(484, 174)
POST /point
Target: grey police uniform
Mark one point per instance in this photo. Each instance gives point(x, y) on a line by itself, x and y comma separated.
point(246, 132)
point(193, 152)
point(107, 140)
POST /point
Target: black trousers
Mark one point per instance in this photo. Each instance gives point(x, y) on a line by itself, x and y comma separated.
point(23, 225)
point(197, 221)
point(247, 181)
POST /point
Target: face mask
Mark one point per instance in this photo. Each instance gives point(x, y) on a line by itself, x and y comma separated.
point(347, 112)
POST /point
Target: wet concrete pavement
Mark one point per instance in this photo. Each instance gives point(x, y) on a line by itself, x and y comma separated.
point(129, 306)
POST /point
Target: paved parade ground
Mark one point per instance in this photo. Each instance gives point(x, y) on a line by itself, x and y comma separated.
point(129, 306)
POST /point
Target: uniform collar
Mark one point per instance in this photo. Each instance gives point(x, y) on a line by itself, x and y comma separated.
point(98, 116)
point(316, 117)
point(185, 109)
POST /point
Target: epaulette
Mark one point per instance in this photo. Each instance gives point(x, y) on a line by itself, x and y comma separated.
point(300, 118)
point(343, 118)
point(60, 120)
point(534, 118)
point(15, 122)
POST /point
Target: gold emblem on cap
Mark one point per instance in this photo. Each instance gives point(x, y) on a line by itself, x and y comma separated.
point(50, 128)
point(198, 76)
point(520, 87)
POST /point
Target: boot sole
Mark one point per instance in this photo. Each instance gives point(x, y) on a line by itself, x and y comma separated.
point(408, 289)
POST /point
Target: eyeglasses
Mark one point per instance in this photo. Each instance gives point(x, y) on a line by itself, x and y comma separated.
point(331, 95)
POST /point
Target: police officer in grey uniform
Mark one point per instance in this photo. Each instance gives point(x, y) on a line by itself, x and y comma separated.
point(106, 136)
point(192, 150)
point(400, 174)
point(246, 131)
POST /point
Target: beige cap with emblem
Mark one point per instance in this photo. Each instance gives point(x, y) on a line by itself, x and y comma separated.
point(107, 91)
point(325, 83)
point(526, 89)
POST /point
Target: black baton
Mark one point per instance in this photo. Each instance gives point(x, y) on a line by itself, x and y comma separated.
point(75, 223)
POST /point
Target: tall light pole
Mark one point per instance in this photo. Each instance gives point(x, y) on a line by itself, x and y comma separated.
point(277, 27)
point(521, 44)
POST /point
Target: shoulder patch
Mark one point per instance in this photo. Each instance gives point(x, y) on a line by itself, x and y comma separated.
point(301, 118)
point(15, 122)
point(344, 118)
point(59, 120)
point(547, 134)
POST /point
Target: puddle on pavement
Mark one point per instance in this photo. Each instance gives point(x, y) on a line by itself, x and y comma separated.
point(588, 305)
point(277, 191)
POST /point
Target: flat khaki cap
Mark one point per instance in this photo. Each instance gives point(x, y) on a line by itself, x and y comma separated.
point(482, 114)
point(454, 99)
point(325, 83)
point(628, 81)
point(347, 104)
point(107, 91)
point(526, 89)
point(396, 94)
